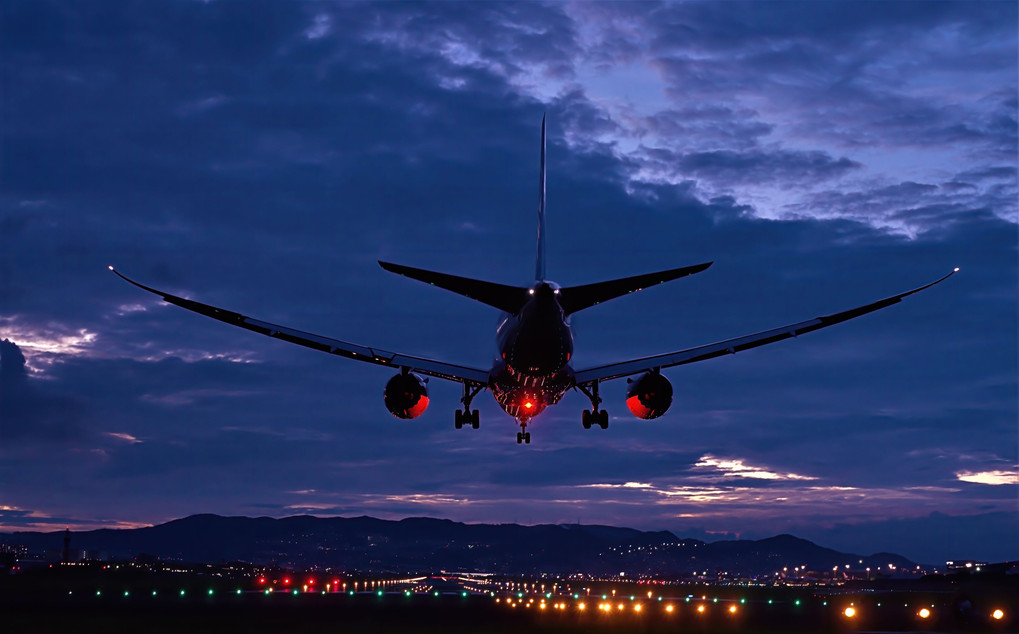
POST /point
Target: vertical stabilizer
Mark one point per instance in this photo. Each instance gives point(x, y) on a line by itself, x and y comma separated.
point(539, 267)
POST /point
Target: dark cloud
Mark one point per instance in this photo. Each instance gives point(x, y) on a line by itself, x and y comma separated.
point(754, 166)
point(28, 413)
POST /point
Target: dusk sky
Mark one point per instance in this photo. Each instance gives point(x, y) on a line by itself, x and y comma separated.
point(261, 156)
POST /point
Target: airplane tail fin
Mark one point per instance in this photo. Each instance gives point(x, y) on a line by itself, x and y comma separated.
point(506, 298)
point(575, 298)
point(539, 267)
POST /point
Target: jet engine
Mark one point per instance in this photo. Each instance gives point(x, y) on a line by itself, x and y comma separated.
point(406, 395)
point(649, 396)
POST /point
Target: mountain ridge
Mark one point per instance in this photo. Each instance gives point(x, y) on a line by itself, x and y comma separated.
point(423, 544)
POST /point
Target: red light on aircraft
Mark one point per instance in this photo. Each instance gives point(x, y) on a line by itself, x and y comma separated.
point(528, 404)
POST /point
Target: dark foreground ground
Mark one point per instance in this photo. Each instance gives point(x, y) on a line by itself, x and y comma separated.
point(54, 602)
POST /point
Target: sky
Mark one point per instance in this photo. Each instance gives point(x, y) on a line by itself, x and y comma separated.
point(261, 156)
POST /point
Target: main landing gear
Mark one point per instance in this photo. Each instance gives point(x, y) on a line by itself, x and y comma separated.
point(593, 416)
point(470, 418)
point(597, 417)
point(467, 416)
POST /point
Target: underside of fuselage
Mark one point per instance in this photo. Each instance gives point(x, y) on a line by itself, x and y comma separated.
point(535, 346)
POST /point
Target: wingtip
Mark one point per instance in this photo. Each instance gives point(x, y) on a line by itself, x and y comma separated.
point(955, 270)
point(110, 266)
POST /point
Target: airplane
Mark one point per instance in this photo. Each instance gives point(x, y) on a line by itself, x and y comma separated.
point(532, 369)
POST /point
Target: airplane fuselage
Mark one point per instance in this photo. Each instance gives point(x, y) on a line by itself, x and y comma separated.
point(535, 346)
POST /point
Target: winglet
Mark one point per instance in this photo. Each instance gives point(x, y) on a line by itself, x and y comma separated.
point(539, 267)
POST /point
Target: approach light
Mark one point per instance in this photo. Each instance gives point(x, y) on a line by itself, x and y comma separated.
point(700, 608)
point(997, 615)
point(732, 609)
point(669, 609)
point(581, 606)
point(924, 613)
point(637, 608)
point(849, 612)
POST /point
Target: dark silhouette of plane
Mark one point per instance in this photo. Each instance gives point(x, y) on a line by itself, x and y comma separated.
point(535, 343)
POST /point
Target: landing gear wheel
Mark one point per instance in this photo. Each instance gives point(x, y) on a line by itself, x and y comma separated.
point(458, 419)
point(527, 437)
point(603, 419)
point(475, 419)
point(585, 419)
point(520, 437)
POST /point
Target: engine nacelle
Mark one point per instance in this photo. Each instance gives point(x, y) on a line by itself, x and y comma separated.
point(406, 396)
point(649, 396)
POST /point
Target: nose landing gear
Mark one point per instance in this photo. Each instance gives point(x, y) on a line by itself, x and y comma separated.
point(523, 436)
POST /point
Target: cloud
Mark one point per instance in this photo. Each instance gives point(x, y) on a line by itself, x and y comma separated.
point(29, 413)
point(736, 468)
point(994, 478)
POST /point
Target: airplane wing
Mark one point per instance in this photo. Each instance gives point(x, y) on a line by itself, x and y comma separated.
point(438, 369)
point(739, 344)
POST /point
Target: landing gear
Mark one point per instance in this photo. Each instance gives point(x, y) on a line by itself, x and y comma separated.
point(470, 418)
point(593, 416)
point(598, 417)
point(467, 416)
point(523, 436)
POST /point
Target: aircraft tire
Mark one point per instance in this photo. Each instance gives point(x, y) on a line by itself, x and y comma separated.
point(475, 419)
point(520, 438)
point(585, 419)
point(603, 419)
point(527, 437)
point(458, 420)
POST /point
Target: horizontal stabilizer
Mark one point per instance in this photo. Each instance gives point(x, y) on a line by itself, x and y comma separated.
point(577, 298)
point(506, 298)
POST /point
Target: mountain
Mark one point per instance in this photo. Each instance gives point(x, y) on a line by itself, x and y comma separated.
point(427, 545)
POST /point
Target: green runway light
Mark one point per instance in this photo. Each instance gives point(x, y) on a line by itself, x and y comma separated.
point(153, 593)
point(769, 601)
point(126, 593)
point(520, 595)
point(743, 600)
point(379, 593)
point(463, 594)
point(210, 592)
point(715, 600)
point(99, 593)
point(797, 602)
point(181, 593)
point(238, 590)
point(295, 593)
point(688, 599)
